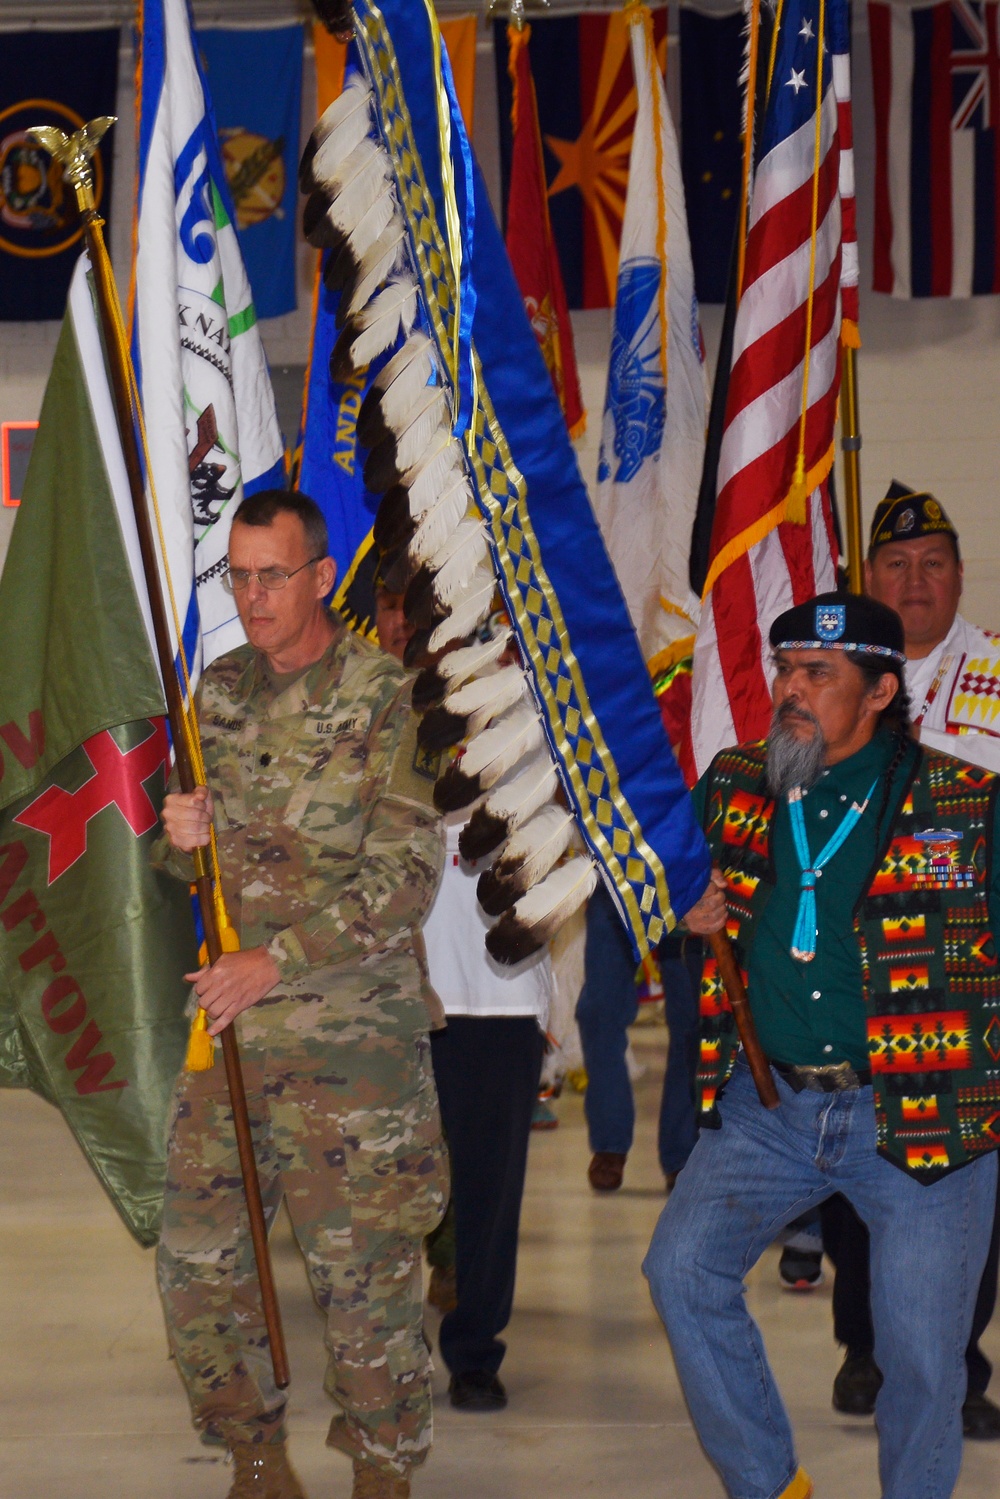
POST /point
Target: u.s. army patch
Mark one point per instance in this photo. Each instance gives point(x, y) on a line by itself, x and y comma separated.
point(414, 769)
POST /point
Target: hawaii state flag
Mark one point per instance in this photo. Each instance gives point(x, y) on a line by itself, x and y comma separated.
point(936, 76)
point(93, 942)
point(206, 392)
point(586, 108)
point(530, 245)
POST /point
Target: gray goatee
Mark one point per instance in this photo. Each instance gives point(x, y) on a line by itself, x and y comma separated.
point(790, 761)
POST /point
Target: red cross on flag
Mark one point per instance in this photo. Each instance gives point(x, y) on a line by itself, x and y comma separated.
point(93, 941)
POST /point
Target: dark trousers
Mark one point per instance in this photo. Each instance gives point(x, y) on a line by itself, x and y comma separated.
point(487, 1072)
point(845, 1239)
point(607, 1006)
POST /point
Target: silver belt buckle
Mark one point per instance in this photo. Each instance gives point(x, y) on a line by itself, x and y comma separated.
point(836, 1077)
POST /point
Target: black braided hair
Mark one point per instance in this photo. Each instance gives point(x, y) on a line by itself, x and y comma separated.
point(896, 718)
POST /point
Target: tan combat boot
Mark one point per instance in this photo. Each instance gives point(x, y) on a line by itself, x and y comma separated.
point(263, 1472)
point(378, 1483)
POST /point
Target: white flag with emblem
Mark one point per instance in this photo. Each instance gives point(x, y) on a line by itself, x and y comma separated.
point(653, 438)
point(210, 417)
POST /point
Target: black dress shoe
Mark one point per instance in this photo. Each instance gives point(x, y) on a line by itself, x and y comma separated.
point(858, 1381)
point(477, 1390)
point(980, 1419)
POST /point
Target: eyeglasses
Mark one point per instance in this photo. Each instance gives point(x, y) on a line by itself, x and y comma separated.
point(235, 579)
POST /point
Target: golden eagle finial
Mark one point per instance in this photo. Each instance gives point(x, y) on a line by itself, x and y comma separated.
point(74, 153)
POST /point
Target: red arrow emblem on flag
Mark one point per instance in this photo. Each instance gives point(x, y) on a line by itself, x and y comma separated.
point(117, 781)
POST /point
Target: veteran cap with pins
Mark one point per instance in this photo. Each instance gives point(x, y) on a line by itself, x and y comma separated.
point(907, 514)
point(844, 622)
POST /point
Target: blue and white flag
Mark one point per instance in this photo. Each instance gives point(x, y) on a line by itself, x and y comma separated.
point(210, 416)
point(653, 440)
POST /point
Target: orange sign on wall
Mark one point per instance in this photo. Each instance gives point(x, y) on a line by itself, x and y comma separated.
point(16, 440)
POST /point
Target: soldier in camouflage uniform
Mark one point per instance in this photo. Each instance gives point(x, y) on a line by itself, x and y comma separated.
point(331, 854)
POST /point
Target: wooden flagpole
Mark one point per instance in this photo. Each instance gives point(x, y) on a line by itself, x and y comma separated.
point(75, 153)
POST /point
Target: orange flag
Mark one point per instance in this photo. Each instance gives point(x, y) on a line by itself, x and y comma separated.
point(530, 244)
point(459, 36)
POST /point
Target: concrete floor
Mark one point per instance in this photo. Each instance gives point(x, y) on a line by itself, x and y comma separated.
point(90, 1407)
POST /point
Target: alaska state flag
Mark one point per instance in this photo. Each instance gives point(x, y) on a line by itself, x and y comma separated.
point(937, 157)
point(586, 107)
point(259, 140)
point(712, 48)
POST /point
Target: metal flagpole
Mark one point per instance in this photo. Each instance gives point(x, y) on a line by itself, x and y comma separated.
point(75, 153)
point(850, 443)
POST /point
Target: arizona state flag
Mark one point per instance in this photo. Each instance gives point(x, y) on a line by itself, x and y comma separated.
point(530, 244)
point(586, 108)
point(60, 78)
point(93, 942)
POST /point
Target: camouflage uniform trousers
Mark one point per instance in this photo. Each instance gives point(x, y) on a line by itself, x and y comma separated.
point(348, 1131)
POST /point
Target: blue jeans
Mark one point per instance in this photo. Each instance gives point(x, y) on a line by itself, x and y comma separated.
point(742, 1184)
point(607, 1006)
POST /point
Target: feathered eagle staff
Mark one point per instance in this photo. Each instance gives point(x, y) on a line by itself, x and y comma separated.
point(481, 494)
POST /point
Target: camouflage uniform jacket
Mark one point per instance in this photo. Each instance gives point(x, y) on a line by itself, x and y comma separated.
point(331, 851)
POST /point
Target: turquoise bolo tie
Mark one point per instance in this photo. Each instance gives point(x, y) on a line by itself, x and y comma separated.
point(804, 937)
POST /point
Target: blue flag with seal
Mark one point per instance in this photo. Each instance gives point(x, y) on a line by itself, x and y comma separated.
point(259, 141)
point(65, 79)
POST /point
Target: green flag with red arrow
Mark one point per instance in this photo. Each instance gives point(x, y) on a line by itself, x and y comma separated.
point(93, 942)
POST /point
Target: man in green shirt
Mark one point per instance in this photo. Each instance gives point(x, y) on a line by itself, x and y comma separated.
point(855, 875)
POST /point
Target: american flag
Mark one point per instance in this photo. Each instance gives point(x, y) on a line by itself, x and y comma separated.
point(761, 561)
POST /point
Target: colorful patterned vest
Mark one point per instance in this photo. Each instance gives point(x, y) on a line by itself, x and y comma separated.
point(929, 962)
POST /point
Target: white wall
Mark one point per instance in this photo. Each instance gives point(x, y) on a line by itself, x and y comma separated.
point(929, 371)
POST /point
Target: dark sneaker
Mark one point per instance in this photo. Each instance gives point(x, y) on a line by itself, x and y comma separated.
point(858, 1381)
point(980, 1419)
point(477, 1390)
point(800, 1269)
point(606, 1170)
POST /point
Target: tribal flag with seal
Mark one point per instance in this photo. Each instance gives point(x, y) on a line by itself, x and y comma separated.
point(653, 440)
point(61, 79)
point(212, 427)
point(936, 77)
point(93, 942)
point(773, 538)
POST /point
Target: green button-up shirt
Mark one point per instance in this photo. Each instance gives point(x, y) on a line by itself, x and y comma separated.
point(812, 1014)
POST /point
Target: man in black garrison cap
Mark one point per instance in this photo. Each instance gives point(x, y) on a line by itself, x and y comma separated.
point(855, 873)
point(953, 678)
